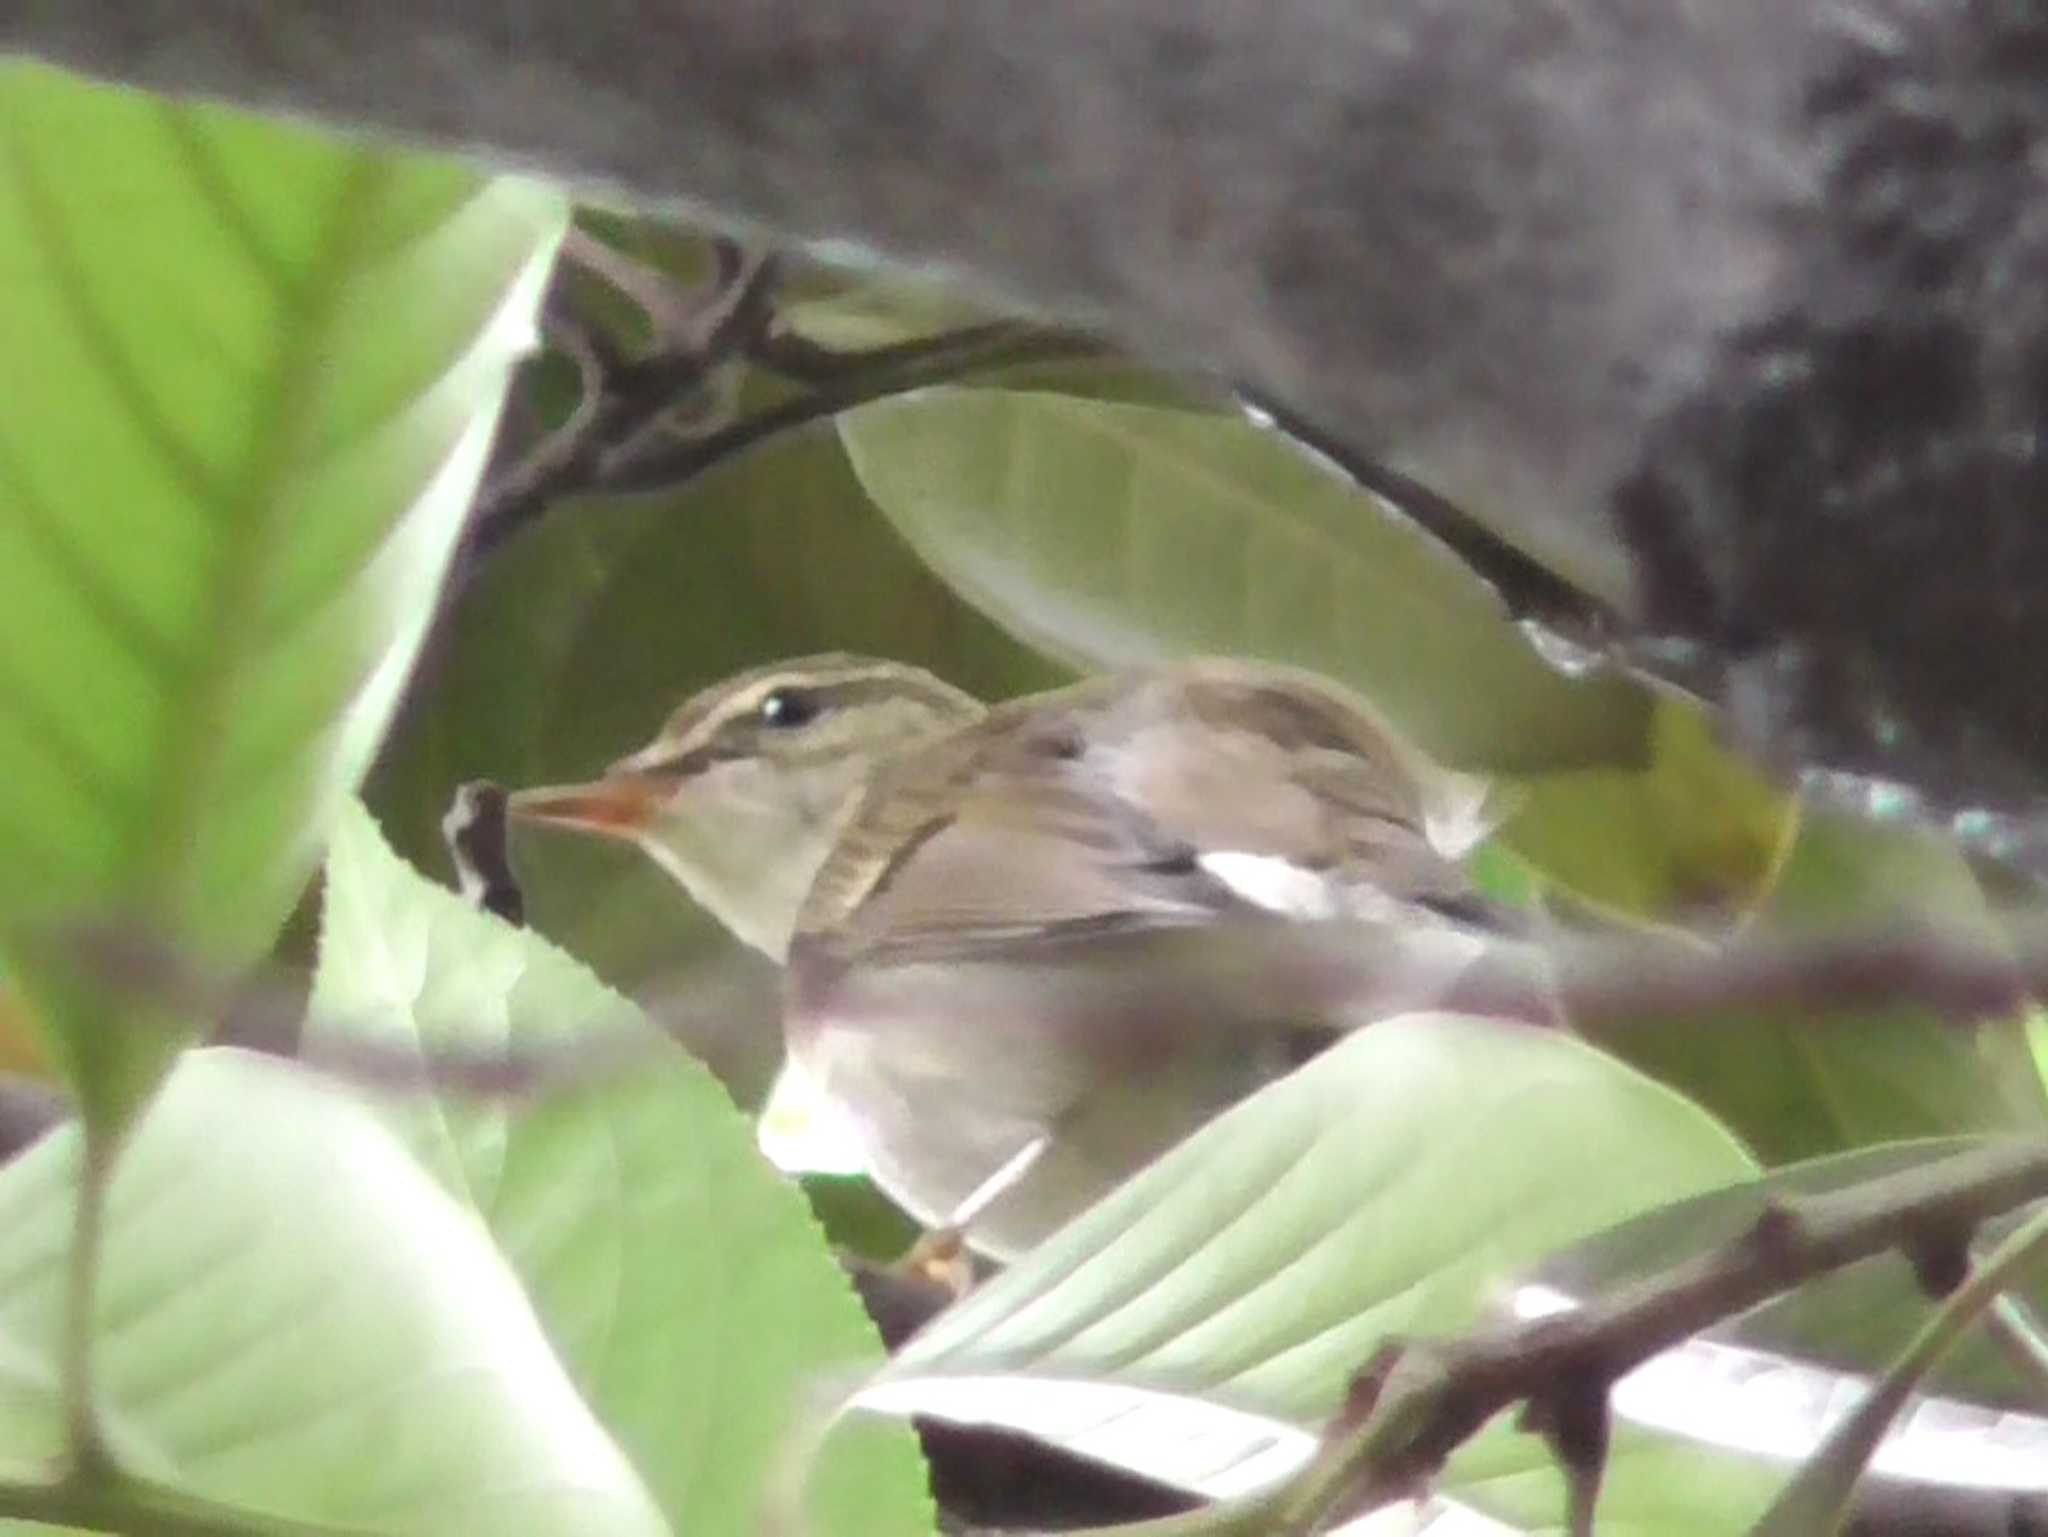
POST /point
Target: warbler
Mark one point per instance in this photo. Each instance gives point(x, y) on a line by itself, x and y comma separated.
point(1030, 946)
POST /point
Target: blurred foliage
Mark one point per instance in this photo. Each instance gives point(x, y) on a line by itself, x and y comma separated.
point(232, 473)
point(627, 1207)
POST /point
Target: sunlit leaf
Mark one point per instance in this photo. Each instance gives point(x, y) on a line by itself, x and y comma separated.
point(1111, 533)
point(1389, 1188)
point(295, 1320)
point(251, 374)
point(684, 1282)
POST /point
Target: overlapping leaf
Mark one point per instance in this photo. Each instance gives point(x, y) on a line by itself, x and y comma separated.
point(1111, 532)
point(1389, 1188)
point(685, 1283)
point(296, 1321)
point(251, 374)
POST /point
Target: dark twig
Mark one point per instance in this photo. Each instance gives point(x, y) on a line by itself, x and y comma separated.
point(672, 311)
point(2017, 1333)
point(133, 1507)
point(616, 440)
point(548, 465)
point(1439, 1395)
point(935, 361)
point(692, 339)
point(1530, 589)
point(807, 362)
point(1613, 985)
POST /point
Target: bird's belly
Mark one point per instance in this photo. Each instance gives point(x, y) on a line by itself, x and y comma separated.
point(931, 1144)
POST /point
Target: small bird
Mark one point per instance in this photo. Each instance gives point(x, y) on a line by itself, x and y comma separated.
point(1030, 946)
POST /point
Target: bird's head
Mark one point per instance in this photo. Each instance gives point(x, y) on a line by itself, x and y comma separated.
point(744, 789)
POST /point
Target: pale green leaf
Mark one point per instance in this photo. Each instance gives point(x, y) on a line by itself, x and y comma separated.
point(1389, 1188)
point(294, 1319)
point(1692, 832)
point(1111, 533)
point(251, 375)
point(683, 1280)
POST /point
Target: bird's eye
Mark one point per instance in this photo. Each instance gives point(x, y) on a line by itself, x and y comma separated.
point(786, 708)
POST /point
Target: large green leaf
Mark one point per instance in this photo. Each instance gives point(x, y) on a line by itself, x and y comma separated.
point(251, 374)
point(1111, 532)
point(1388, 1188)
point(685, 1283)
point(579, 637)
point(294, 1320)
point(1693, 832)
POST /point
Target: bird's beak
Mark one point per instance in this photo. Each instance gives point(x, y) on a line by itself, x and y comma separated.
point(623, 804)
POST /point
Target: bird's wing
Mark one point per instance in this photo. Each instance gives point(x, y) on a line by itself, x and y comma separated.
point(1161, 798)
point(1083, 901)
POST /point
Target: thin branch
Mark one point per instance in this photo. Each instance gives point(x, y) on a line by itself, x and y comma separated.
point(85, 1453)
point(944, 359)
point(1530, 589)
point(670, 308)
point(1818, 1497)
point(633, 398)
point(1438, 1395)
point(1612, 985)
point(265, 1013)
point(2017, 1333)
point(1606, 986)
point(134, 1507)
point(800, 359)
point(552, 461)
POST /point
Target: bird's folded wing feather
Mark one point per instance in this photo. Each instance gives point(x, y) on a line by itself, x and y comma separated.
point(1064, 900)
point(1107, 805)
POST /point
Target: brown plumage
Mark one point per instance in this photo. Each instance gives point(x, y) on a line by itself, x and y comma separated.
point(1056, 935)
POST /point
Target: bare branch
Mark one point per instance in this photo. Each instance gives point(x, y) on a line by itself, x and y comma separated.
point(1439, 1394)
point(2018, 1334)
point(693, 337)
point(957, 354)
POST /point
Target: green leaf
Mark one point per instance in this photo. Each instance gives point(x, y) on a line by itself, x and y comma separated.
point(251, 377)
point(294, 1320)
point(685, 1283)
point(1111, 532)
point(1388, 1188)
point(579, 637)
point(1694, 831)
